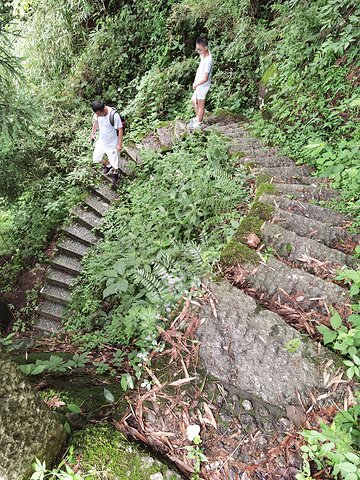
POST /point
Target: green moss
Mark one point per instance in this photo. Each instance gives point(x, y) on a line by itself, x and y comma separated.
point(265, 188)
point(249, 224)
point(261, 210)
point(104, 452)
point(263, 178)
point(237, 252)
point(270, 72)
point(236, 156)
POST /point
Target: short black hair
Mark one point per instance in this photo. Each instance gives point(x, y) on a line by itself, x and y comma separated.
point(202, 41)
point(98, 106)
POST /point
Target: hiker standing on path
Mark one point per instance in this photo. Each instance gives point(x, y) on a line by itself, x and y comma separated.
point(109, 142)
point(201, 83)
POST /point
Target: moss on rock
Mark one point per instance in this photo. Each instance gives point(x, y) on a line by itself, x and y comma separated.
point(265, 188)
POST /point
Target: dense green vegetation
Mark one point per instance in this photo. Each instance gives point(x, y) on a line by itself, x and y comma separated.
point(58, 56)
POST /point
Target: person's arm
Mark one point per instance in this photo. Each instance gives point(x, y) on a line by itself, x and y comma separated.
point(93, 130)
point(119, 145)
point(204, 80)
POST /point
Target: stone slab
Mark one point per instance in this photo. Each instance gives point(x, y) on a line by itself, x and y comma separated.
point(244, 346)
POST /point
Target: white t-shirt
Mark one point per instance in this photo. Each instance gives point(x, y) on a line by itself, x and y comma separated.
point(205, 66)
point(108, 135)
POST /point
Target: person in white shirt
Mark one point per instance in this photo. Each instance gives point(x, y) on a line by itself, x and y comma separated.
point(201, 83)
point(109, 142)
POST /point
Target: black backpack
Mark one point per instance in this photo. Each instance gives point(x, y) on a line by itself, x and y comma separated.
point(111, 118)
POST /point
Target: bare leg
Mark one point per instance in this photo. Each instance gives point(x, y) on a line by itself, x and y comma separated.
point(200, 107)
point(105, 162)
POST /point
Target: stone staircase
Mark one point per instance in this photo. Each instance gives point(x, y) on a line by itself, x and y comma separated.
point(287, 274)
point(77, 237)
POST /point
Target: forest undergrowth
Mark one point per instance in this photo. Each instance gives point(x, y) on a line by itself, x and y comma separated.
point(156, 246)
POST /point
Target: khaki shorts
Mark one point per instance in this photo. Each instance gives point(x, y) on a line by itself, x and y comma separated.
point(112, 154)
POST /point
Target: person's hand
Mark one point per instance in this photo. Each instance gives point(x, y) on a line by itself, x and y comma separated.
point(92, 138)
point(118, 148)
point(194, 87)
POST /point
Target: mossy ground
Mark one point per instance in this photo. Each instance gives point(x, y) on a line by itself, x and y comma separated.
point(102, 452)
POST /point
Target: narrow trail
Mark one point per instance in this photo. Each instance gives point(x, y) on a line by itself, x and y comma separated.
point(278, 283)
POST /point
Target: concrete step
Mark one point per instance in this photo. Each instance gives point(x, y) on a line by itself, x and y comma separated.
point(307, 180)
point(47, 324)
point(307, 193)
point(308, 254)
point(286, 173)
point(86, 218)
point(66, 264)
point(105, 193)
point(80, 234)
point(266, 159)
point(308, 291)
point(59, 278)
point(96, 205)
point(315, 229)
point(134, 154)
point(51, 310)
point(323, 214)
point(72, 248)
point(56, 294)
point(165, 136)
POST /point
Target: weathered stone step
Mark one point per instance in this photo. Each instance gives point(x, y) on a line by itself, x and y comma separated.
point(59, 278)
point(286, 173)
point(308, 192)
point(72, 248)
point(133, 154)
point(47, 324)
point(51, 310)
point(245, 347)
point(67, 264)
point(80, 234)
point(266, 160)
point(315, 229)
point(87, 219)
point(56, 294)
point(308, 254)
point(105, 193)
point(311, 292)
point(323, 214)
point(96, 206)
point(307, 180)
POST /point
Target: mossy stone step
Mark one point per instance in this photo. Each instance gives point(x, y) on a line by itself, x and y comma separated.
point(277, 278)
point(51, 310)
point(86, 218)
point(308, 192)
point(59, 278)
point(56, 294)
point(323, 214)
point(96, 206)
point(67, 264)
point(315, 229)
point(72, 248)
point(305, 252)
point(81, 234)
point(180, 129)
point(105, 193)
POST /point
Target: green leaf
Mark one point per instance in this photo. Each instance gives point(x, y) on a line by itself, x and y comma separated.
point(74, 408)
point(67, 427)
point(109, 396)
point(120, 266)
point(293, 345)
point(336, 321)
point(110, 290)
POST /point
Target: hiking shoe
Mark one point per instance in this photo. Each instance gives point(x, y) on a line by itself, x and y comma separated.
point(196, 124)
point(106, 170)
point(193, 120)
point(115, 178)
